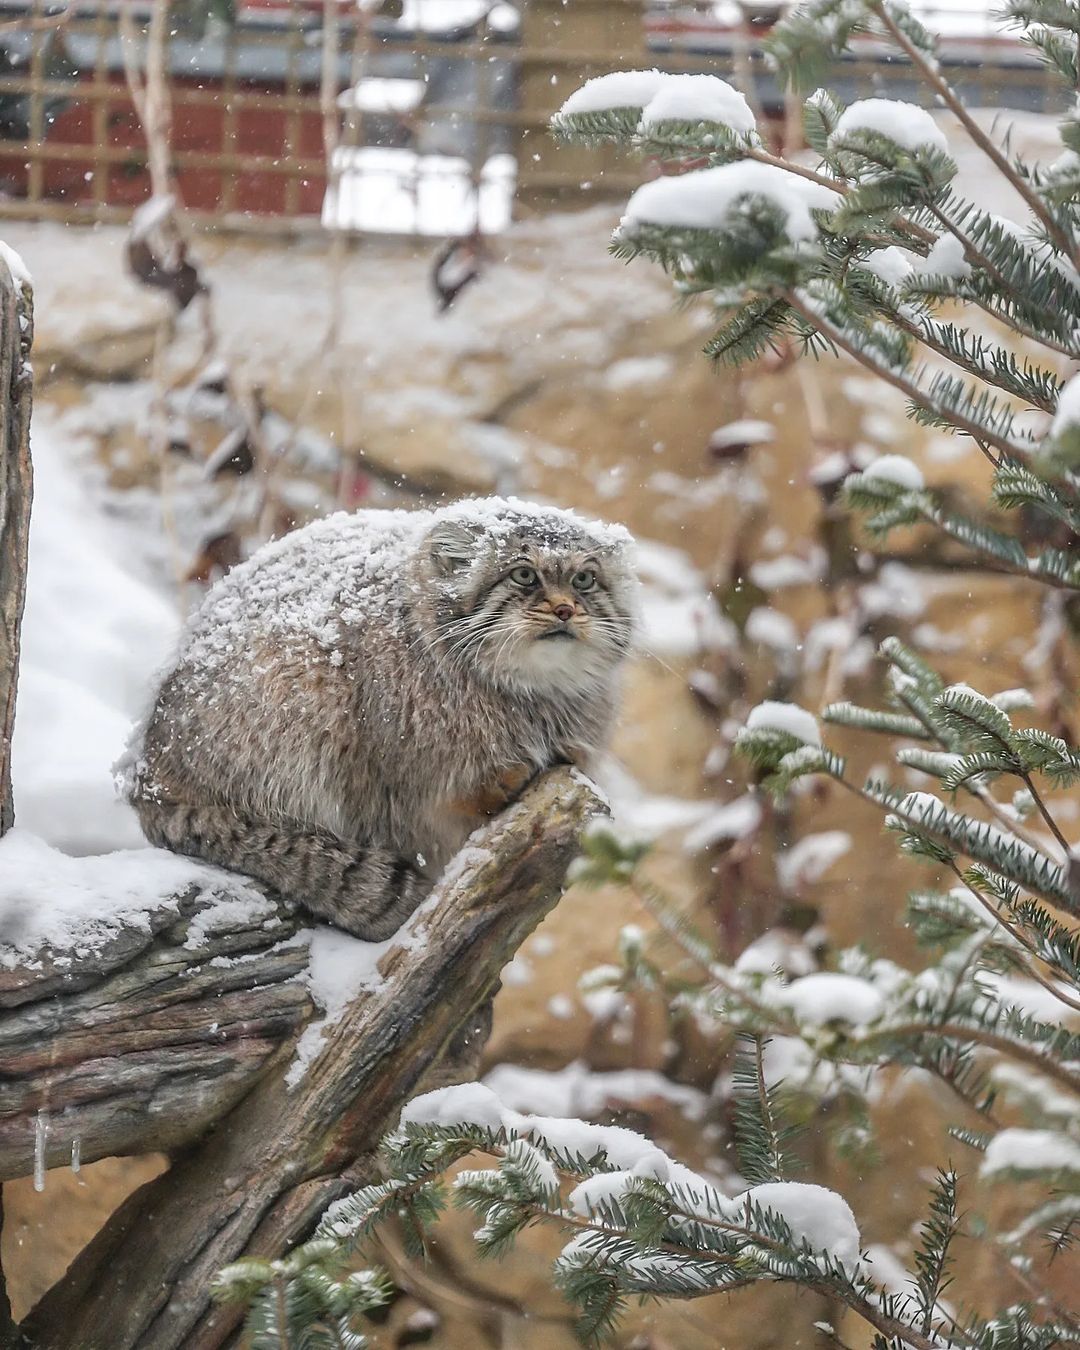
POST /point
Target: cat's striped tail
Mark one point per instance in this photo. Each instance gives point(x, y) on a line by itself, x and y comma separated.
point(369, 892)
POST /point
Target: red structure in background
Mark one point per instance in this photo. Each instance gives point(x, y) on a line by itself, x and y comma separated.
point(199, 131)
point(223, 161)
point(247, 128)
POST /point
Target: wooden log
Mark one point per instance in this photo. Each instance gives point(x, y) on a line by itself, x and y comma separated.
point(16, 489)
point(146, 1042)
point(260, 1180)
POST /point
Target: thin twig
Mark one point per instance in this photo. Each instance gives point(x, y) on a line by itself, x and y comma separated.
point(1044, 811)
point(1021, 937)
point(978, 434)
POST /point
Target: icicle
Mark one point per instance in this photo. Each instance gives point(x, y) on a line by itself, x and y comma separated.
point(41, 1132)
point(76, 1154)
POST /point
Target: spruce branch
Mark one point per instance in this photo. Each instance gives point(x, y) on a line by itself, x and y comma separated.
point(1019, 326)
point(972, 354)
point(982, 437)
point(930, 72)
point(932, 1256)
point(1011, 1048)
point(1019, 936)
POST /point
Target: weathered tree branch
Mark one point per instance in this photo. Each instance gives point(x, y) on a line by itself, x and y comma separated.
point(16, 391)
point(260, 1180)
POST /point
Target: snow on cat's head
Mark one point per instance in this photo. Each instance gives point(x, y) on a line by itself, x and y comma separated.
point(535, 597)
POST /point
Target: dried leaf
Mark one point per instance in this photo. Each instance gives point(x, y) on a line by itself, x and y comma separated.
point(234, 455)
point(456, 264)
point(218, 554)
point(180, 277)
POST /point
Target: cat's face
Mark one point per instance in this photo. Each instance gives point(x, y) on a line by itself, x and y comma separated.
point(533, 599)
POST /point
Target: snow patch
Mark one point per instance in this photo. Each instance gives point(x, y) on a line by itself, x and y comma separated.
point(774, 574)
point(746, 431)
point(1067, 413)
point(698, 98)
point(340, 967)
point(93, 634)
point(891, 265)
point(20, 273)
point(732, 820)
point(390, 190)
point(946, 259)
point(905, 123)
point(442, 17)
point(64, 904)
point(706, 199)
point(786, 717)
point(578, 1090)
point(810, 858)
point(1031, 1151)
point(898, 469)
point(634, 372)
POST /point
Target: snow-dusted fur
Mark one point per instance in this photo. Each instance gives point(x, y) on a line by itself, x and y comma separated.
point(350, 703)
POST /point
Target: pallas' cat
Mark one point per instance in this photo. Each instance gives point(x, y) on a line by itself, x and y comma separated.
point(352, 701)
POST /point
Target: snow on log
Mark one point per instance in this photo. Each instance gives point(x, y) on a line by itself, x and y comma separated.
point(140, 996)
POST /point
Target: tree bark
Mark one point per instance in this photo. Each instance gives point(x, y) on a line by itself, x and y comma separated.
point(16, 490)
point(261, 1179)
point(16, 393)
point(142, 1045)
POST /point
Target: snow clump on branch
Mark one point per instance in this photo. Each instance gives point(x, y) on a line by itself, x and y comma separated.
point(896, 469)
point(828, 997)
point(785, 717)
point(620, 89)
point(1067, 415)
point(699, 99)
point(891, 265)
point(815, 1216)
point(609, 107)
point(905, 123)
point(706, 200)
point(1031, 1151)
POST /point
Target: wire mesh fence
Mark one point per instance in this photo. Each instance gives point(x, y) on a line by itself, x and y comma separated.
point(428, 118)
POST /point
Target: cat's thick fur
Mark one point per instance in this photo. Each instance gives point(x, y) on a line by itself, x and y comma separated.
point(350, 703)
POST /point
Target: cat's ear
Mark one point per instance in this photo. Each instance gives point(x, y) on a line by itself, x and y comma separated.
point(452, 546)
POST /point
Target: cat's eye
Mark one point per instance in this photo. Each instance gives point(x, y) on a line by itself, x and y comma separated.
point(584, 580)
point(523, 576)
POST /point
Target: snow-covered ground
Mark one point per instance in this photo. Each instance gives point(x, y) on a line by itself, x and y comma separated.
point(396, 191)
point(95, 630)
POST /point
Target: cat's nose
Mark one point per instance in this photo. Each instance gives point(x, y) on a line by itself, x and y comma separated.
point(564, 612)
